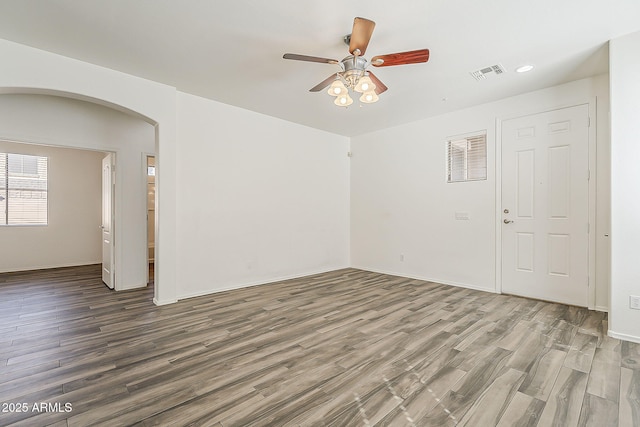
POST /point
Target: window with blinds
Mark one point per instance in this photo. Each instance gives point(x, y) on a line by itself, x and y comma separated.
point(467, 158)
point(23, 189)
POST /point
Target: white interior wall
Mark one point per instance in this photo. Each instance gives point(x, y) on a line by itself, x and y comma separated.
point(624, 322)
point(259, 199)
point(403, 210)
point(72, 236)
point(58, 121)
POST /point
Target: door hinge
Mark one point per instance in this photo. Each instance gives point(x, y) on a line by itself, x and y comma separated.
point(588, 227)
point(349, 154)
point(588, 174)
point(588, 122)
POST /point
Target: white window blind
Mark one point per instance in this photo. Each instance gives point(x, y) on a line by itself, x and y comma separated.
point(467, 158)
point(23, 189)
point(3, 188)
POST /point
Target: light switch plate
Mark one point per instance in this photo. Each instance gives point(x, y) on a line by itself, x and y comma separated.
point(462, 215)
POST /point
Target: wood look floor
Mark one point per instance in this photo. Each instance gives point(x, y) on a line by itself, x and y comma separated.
point(347, 348)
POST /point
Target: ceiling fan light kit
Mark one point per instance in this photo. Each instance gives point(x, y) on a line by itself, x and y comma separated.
point(343, 100)
point(369, 97)
point(337, 88)
point(354, 74)
point(364, 85)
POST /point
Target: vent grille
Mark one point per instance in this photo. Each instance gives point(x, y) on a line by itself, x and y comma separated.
point(482, 73)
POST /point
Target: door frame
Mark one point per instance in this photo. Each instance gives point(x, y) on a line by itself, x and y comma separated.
point(145, 156)
point(592, 202)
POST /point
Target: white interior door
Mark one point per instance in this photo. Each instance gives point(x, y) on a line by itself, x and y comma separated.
point(107, 222)
point(545, 190)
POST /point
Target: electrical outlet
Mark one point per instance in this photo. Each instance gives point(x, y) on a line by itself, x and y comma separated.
point(634, 302)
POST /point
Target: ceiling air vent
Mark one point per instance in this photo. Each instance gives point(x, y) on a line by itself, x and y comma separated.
point(483, 72)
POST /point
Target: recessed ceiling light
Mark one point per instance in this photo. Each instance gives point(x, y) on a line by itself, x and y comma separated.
point(524, 68)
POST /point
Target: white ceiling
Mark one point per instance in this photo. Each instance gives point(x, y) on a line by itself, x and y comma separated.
point(231, 50)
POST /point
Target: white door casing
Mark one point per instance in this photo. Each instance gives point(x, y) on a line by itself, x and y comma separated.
point(545, 205)
point(108, 276)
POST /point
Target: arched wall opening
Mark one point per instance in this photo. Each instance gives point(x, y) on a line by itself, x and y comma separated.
point(78, 134)
point(32, 71)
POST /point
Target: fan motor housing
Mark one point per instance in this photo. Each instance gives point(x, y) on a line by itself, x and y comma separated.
point(354, 67)
point(350, 64)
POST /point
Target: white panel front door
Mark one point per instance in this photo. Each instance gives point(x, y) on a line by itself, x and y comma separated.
point(107, 222)
point(545, 215)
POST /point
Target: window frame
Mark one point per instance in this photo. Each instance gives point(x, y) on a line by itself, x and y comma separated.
point(480, 164)
point(7, 188)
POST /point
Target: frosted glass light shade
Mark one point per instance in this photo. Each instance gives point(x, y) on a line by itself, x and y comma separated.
point(364, 85)
point(343, 100)
point(369, 97)
point(337, 88)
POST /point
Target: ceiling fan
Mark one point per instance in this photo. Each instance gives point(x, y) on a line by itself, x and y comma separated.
point(354, 74)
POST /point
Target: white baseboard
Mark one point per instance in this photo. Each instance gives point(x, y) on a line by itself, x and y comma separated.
point(258, 283)
point(47, 267)
point(131, 287)
point(601, 308)
point(427, 279)
point(158, 302)
point(624, 337)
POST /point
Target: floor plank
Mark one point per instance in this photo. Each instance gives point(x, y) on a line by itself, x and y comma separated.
point(565, 402)
point(523, 411)
point(629, 409)
point(488, 409)
point(580, 355)
point(542, 373)
point(604, 378)
point(599, 412)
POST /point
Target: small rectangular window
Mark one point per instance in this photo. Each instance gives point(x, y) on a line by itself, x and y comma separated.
point(467, 158)
point(23, 189)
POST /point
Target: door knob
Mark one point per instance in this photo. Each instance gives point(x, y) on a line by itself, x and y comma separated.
point(506, 221)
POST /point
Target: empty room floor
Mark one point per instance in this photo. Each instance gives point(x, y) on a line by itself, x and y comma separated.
point(346, 348)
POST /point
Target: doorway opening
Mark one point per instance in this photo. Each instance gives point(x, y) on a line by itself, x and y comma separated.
point(151, 215)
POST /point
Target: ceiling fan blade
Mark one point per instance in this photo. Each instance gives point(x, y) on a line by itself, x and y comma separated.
point(360, 35)
point(297, 57)
point(326, 82)
point(402, 58)
point(380, 87)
